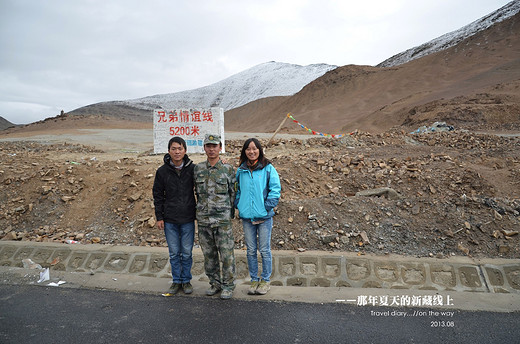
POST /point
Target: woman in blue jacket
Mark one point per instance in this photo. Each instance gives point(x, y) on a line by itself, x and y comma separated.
point(258, 192)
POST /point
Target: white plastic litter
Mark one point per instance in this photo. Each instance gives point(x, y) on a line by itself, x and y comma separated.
point(57, 284)
point(44, 276)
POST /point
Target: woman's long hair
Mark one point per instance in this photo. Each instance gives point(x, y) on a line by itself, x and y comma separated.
point(261, 158)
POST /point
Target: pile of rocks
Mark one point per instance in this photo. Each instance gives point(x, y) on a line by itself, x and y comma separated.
point(437, 194)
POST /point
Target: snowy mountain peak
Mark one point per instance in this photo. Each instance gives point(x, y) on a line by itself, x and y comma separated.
point(452, 38)
point(264, 80)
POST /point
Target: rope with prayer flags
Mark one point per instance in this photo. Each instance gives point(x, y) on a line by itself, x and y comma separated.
point(316, 132)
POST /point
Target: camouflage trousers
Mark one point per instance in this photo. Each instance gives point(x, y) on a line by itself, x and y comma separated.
point(217, 245)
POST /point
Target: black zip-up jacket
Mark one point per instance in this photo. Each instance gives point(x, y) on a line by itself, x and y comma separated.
point(173, 194)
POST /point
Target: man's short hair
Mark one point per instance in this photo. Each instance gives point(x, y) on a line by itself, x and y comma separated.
point(178, 140)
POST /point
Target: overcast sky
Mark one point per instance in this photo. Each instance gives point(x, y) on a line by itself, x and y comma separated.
point(66, 54)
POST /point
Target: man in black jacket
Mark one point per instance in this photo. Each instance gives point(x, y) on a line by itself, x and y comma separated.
point(174, 202)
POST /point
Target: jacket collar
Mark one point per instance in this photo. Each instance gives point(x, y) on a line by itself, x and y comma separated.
point(244, 166)
point(217, 165)
point(187, 161)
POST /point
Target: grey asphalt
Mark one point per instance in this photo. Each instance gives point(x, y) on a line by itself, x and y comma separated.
point(39, 314)
point(94, 294)
point(310, 277)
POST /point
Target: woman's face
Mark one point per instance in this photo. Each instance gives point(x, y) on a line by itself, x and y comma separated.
point(252, 152)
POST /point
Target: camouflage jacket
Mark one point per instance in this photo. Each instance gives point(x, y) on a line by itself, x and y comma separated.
point(215, 190)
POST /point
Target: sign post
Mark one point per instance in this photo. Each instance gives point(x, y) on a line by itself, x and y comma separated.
point(190, 124)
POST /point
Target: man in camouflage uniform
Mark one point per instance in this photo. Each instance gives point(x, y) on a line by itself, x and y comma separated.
point(215, 189)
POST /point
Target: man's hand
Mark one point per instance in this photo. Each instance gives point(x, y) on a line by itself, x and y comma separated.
point(160, 224)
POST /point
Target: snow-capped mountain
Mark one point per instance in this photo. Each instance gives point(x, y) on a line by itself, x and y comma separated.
point(452, 38)
point(264, 80)
point(273, 79)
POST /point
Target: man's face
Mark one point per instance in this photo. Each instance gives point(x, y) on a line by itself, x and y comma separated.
point(212, 150)
point(177, 153)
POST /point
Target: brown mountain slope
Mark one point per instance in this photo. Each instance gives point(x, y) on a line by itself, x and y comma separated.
point(475, 85)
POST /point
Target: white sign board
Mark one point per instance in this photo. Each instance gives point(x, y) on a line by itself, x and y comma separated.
point(190, 124)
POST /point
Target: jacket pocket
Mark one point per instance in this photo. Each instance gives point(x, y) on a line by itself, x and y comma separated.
point(221, 186)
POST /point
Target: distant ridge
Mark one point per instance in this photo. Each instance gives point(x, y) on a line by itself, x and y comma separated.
point(5, 124)
point(453, 38)
point(472, 85)
point(268, 79)
point(468, 77)
point(265, 80)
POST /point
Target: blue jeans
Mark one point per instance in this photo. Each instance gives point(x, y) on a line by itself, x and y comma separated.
point(259, 237)
point(180, 239)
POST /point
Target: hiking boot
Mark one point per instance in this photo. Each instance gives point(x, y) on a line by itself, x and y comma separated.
point(174, 288)
point(263, 287)
point(187, 288)
point(226, 294)
point(253, 287)
point(213, 290)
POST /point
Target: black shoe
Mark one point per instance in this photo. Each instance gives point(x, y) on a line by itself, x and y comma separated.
point(187, 288)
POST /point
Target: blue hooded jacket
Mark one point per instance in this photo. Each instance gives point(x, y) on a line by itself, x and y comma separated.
point(258, 191)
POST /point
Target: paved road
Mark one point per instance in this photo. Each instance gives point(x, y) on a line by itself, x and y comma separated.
point(34, 314)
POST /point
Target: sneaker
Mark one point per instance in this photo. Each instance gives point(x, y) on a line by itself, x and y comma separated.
point(174, 288)
point(213, 290)
point(263, 288)
point(187, 288)
point(253, 287)
point(226, 294)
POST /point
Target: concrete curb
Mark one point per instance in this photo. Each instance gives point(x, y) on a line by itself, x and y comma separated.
point(334, 276)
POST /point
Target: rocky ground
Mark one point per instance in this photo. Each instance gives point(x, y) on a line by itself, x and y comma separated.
point(435, 194)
